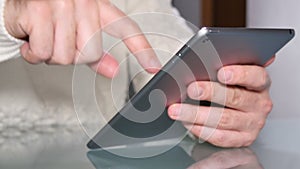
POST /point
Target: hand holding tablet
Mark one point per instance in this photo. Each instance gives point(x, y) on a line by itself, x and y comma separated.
point(200, 71)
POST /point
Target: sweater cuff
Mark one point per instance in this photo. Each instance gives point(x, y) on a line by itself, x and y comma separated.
point(9, 46)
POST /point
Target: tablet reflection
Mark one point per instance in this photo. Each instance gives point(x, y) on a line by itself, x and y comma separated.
point(243, 158)
point(202, 156)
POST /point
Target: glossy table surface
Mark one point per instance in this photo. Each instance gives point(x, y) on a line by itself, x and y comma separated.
point(56, 147)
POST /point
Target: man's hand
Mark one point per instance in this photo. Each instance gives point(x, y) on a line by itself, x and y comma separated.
point(247, 105)
point(69, 32)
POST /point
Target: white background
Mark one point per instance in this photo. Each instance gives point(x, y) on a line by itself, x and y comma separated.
point(285, 71)
point(282, 129)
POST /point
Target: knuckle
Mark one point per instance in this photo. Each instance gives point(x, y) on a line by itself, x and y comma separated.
point(250, 124)
point(255, 123)
point(265, 80)
point(207, 91)
point(221, 140)
point(206, 95)
point(195, 130)
point(236, 98)
point(226, 120)
point(261, 124)
point(213, 92)
point(267, 106)
point(249, 140)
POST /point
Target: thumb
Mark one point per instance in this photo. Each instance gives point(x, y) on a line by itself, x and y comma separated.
point(107, 66)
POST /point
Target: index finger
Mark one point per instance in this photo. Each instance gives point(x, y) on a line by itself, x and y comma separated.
point(117, 24)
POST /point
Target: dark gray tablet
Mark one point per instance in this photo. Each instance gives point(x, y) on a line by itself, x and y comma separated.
point(144, 117)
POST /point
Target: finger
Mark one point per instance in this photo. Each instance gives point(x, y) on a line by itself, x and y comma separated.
point(222, 138)
point(40, 45)
point(233, 97)
point(64, 45)
point(251, 77)
point(113, 19)
point(89, 42)
point(107, 66)
point(270, 61)
point(215, 117)
point(28, 54)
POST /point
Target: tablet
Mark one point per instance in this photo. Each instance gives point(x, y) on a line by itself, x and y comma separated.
point(144, 118)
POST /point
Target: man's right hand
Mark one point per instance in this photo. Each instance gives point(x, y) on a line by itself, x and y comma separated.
point(69, 32)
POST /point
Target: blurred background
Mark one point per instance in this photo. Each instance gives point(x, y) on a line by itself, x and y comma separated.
point(280, 134)
point(214, 13)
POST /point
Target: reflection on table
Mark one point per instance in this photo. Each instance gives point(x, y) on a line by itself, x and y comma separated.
point(65, 147)
point(179, 157)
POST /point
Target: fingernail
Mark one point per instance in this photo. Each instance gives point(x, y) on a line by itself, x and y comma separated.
point(174, 111)
point(197, 91)
point(226, 76)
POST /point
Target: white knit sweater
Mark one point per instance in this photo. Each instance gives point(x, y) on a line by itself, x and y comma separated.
point(36, 101)
point(9, 46)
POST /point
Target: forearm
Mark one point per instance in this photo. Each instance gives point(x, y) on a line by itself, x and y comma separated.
point(9, 46)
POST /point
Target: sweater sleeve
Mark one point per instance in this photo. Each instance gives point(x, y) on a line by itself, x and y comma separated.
point(164, 28)
point(9, 46)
